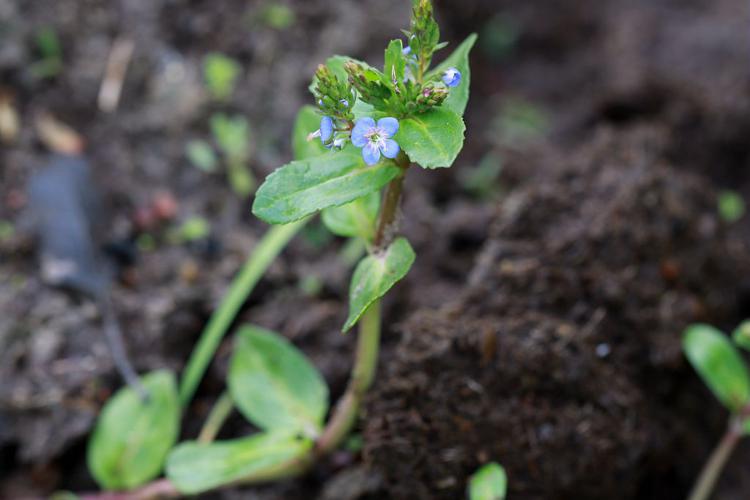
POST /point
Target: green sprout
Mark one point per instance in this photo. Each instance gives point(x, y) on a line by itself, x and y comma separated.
point(488, 483)
point(723, 370)
point(50, 50)
point(277, 16)
point(352, 156)
point(731, 206)
point(191, 230)
point(220, 74)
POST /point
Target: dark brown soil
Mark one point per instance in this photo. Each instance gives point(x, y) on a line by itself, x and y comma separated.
point(561, 358)
point(541, 331)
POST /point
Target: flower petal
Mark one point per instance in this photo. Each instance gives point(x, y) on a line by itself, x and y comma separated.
point(362, 126)
point(371, 153)
point(390, 149)
point(389, 126)
point(326, 129)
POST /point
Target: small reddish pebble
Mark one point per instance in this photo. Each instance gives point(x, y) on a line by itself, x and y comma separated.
point(165, 206)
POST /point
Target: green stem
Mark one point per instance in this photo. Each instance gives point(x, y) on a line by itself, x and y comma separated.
point(267, 249)
point(715, 464)
point(366, 361)
point(219, 413)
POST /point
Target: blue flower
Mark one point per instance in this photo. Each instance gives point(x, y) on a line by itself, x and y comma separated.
point(406, 50)
point(375, 138)
point(452, 77)
point(344, 102)
point(326, 129)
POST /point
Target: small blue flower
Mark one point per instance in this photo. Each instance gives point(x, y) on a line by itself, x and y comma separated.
point(452, 77)
point(406, 50)
point(344, 102)
point(376, 138)
point(326, 129)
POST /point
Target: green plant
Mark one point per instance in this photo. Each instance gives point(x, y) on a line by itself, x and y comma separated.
point(488, 483)
point(723, 370)
point(375, 125)
point(220, 74)
point(49, 48)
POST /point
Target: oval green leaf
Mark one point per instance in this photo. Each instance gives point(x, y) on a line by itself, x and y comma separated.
point(274, 385)
point(132, 438)
point(490, 482)
point(719, 364)
point(305, 186)
point(355, 219)
point(375, 275)
point(432, 139)
point(459, 59)
point(308, 121)
point(741, 335)
point(196, 467)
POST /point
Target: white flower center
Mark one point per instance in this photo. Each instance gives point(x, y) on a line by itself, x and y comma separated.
point(376, 136)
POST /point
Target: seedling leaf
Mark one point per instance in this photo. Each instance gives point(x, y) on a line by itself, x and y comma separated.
point(488, 483)
point(718, 363)
point(132, 438)
point(196, 468)
point(274, 385)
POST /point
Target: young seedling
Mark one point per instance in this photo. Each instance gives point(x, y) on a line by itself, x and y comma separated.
point(50, 50)
point(220, 74)
point(723, 370)
point(488, 483)
point(368, 129)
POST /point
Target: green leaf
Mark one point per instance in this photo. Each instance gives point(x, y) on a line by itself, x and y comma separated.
point(132, 438)
point(303, 187)
point(741, 335)
point(395, 64)
point(459, 59)
point(336, 64)
point(274, 385)
point(375, 275)
point(432, 139)
point(488, 483)
point(355, 219)
point(719, 364)
point(196, 468)
point(308, 121)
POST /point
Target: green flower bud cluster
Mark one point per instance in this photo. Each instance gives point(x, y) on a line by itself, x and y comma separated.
point(335, 98)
